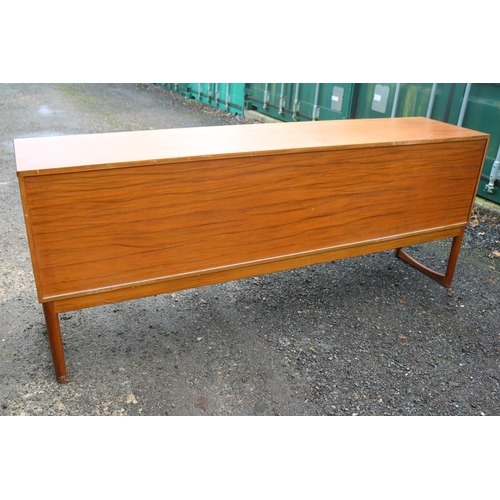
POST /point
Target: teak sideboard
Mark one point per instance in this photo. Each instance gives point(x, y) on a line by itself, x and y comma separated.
point(119, 216)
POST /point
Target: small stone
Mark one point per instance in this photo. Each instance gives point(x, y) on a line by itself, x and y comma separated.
point(131, 399)
point(202, 403)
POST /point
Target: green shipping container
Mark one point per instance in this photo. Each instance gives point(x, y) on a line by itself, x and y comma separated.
point(384, 100)
point(482, 112)
point(229, 97)
point(300, 101)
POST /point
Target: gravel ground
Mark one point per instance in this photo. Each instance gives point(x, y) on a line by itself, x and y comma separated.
point(362, 336)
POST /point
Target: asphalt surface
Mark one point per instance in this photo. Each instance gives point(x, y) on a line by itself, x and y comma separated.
point(367, 336)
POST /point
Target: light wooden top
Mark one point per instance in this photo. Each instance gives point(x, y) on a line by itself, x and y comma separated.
point(97, 151)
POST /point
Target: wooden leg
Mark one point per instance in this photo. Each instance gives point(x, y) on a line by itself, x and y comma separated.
point(453, 258)
point(444, 279)
point(56, 345)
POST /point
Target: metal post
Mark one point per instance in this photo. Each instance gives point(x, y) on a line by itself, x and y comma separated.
point(282, 99)
point(296, 103)
point(431, 101)
point(395, 103)
point(315, 114)
point(228, 96)
point(266, 95)
point(464, 105)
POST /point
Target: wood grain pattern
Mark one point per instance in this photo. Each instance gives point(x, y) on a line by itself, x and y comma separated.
point(247, 269)
point(102, 229)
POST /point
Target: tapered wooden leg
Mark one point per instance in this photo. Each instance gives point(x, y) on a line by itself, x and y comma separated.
point(56, 345)
point(452, 260)
point(444, 279)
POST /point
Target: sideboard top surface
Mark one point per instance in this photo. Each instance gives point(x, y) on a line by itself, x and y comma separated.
point(45, 155)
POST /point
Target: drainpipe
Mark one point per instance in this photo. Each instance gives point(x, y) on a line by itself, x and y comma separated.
point(315, 114)
point(282, 99)
point(395, 104)
point(494, 175)
point(216, 94)
point(296, 103)
point(431, 101)
point(464, 105)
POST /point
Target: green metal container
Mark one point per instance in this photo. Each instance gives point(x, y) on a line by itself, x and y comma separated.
point(483, 113)
point(384, 100)
point(300, 101)
point(229, 97)
point(180, 88)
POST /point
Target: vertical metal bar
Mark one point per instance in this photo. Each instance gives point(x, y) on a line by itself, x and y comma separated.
point(282, 99)
point(395, 103)
point(296, 104)
point(266, 95)
point(451, 93)
point(464, 105)
point(315, 113)
point(228, 96)
point(431, 100)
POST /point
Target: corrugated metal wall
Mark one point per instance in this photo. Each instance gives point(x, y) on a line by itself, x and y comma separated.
point(475, 106)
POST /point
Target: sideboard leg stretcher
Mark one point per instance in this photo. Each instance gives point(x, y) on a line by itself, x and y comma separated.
point(56, 345)
point(446, 278)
